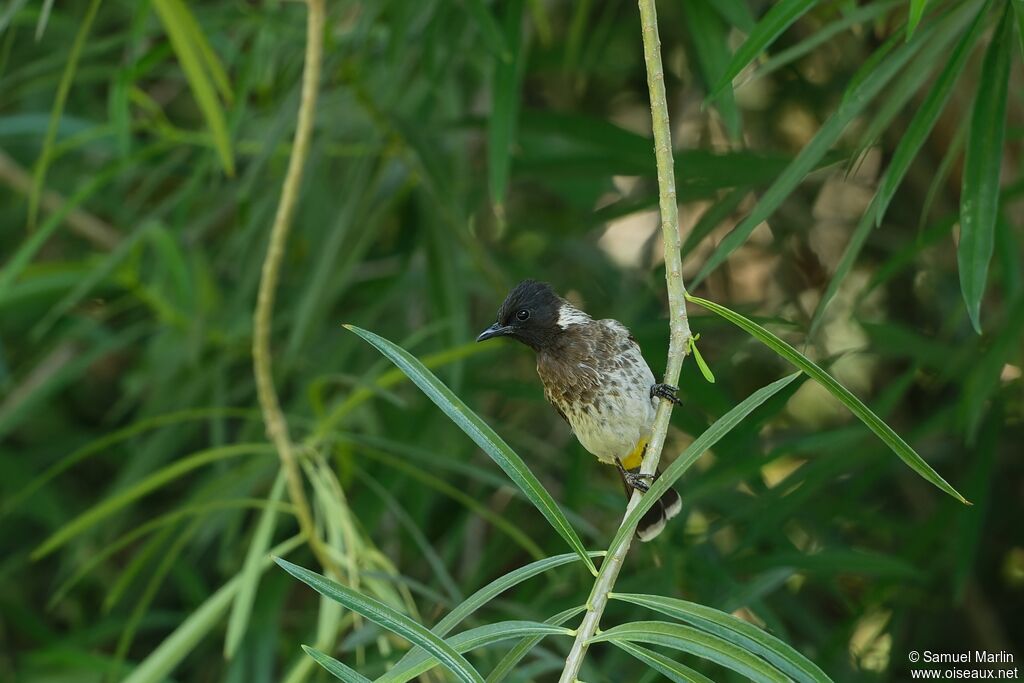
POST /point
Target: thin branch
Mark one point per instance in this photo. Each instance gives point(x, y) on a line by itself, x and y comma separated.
point(679, 329)
point(80, 221)
point(277, 427)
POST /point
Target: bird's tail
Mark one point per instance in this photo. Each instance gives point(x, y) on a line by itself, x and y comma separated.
point(653, 521)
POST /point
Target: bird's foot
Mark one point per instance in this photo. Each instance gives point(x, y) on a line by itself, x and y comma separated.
point(667, 392)
point(634, 479)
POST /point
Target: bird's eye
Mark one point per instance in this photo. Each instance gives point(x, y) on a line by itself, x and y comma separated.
point(523, 315)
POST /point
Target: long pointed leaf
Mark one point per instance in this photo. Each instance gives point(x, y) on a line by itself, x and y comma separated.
point(494, 589)
point(979, 197)
point(893, 440)
point(867, 83)
point(521, 649)
point(482, 434)
point(772, 24)
point(386, 617)
point(667, 667)
point(928, 113)
point(738, 632)
point(704, 645)
point(334, 667)
point(182, 30)
point(242, 606)
point(700, 445)
point(472, 639)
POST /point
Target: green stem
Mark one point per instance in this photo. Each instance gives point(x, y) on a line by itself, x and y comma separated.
point(679, 328)
point(277, 426)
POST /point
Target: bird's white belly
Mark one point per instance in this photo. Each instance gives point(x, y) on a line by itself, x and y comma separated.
point(612, 427)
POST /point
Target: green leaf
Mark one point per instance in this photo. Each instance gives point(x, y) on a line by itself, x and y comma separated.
point(738, 632)
point(979, 197)
point(520, 650)
point(667, 667)
point(1018, 9)
point(704, 369)
point(776, 20)
point(854, 404)
point(709, 36)
point(472, 639)
point(501, 126)
point(489, 28)
point(482, 434)
point(386, 617)
point(241, 609)
point(917, 8)
point(700, 445)
point(334, 667)
point(162, 660)
point(494, 589)
point(872, 77)
point(63, 88)
point(927, 114)
point(704, 645)
point(117, 501)
point(196, 58)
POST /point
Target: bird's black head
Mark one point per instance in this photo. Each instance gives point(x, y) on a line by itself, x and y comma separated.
point(529, 315)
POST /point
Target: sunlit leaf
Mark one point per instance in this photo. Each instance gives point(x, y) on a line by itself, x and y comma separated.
point(334, 667)
point(854, 404)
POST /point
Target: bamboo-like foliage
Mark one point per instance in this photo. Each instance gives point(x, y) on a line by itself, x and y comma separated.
point(189, 185)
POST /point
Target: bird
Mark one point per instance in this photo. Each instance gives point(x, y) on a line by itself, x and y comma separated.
point(595, 376)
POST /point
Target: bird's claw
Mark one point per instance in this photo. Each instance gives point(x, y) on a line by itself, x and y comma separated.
point(635, 480)
point(667, 392)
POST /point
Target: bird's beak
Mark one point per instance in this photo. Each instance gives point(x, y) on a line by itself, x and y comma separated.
point(495, 330)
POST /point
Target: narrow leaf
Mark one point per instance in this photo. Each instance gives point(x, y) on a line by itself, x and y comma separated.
point(386, 617)
point(704, 645)
point(872, 77)
point(927, 114)
point(854, 404)
point(667, 667)
point(250, 576)
point(472, 639)
point(188, 42)
point(777, 19)
point(515, 655)
point(501, 126)
point(700, 445)
point(162, 660)
point(494, 589)
point(63, 88)
point(979, 197)
point(738, 632)
point(482, 434)
point(117, 501)
point(334, 667)
point(917, 8)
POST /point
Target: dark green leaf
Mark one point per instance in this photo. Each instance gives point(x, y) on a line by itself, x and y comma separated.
point(386, 617)
point(482, 434)
point(979, 197)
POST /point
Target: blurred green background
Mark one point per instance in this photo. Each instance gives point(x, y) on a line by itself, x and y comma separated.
point(461, 147)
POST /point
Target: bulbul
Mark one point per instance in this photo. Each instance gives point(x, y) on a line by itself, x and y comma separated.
point(596, 378)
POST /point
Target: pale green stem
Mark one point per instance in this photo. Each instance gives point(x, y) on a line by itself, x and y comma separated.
point(679, 329)
point(277, 426)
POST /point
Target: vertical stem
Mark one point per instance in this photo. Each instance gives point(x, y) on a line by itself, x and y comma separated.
point(277, 427)
point(679, 328)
